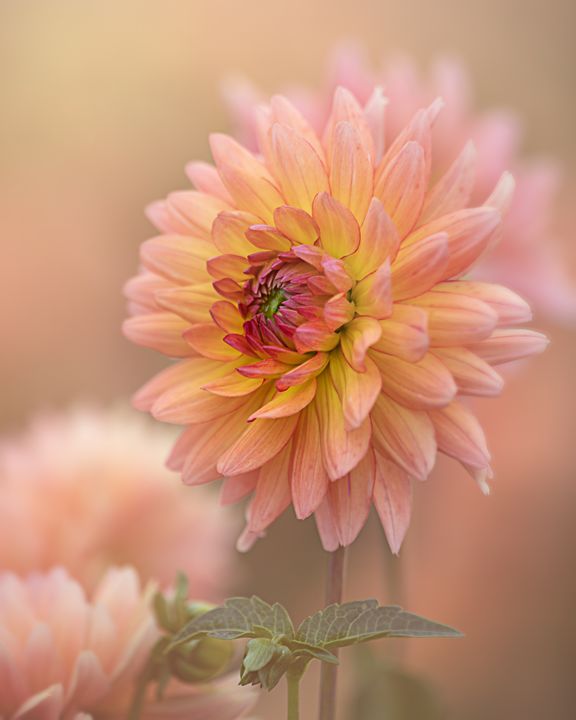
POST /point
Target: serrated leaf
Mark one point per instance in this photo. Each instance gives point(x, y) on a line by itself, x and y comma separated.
point(259, 652)
point(239, 618)
point(360, 621)
point(318, 628)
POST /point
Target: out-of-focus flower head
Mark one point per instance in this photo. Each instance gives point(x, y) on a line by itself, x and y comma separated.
point(314, 292)
point(527, 257)
point(87, 488)
point(66, 655)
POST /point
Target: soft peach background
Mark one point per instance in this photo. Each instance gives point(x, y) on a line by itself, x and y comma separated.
point(102, 104)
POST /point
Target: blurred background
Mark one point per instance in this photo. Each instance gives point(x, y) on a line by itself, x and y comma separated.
point(103, 103)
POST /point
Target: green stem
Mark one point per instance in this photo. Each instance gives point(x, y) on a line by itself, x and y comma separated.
point(329, 673)
point(293, 681)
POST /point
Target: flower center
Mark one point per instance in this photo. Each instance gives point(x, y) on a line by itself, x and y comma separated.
point(271, 303)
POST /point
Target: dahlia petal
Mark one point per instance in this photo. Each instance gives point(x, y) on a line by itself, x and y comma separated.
point(375, 116)
point(45, 705)
point(404, 435)
point(473, 375)
point(404, 334)
point(453, 190)
point(303, 372)
point(336, 273)
point(227, 266)
point(296, 224)
point(177, 257)
point(357, 391)
point(267, 237)
point(308, 478)
point(229, 289)
point(341, 450)
point(326, 525)
point(88, 683)
point(197, 449)
point(419, 266)
point(350, 498)
point(393, 501)
point(159, 331)
point(373, 294)
point(501, 197)
point(208, 340)
point(192, 373)
point(310, 254)
point(420, 386)
point(268, 368)
point(509, 306)
point(345, 108)
point(339, 230)
point(351, 170)
point(379, 240)
point(285, 113)
point(260, 442)
point(227, 316)
point(469, 232)
point(460, 435)
point(418, 130)
point(233, 385)
point(315, 335)
point(402, 186)
point(456, 320)
point(509, 344)
point(272, 494)
point(141, 292)
point(337, 311)
point(237, 487)
point(165, 219)
point(297, 167)
point(206, 179)
point(288, 402)
point(245, 177)
point(196, 210)
point(191, 302)
point(356, 338)
point(229, 232)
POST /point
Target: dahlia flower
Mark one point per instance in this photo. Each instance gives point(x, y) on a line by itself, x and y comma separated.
point(527, 257)
point(315, 294)
point(86, 488)
point(64, 655)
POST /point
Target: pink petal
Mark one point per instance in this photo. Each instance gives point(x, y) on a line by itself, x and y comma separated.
point(308, 477)
point(302, 372)
point(350, 498)
point(315, 335)
point(206, 179)
point(419, 266)
point(272, 494)
point(229, 232)
point(373, 294)
point(356, 338)
point(393, 501)
point(379, 240)
point(402, 187)
point(506, 345)
point(177, 257)
point(339, 230)
point(208, 340)
point(404, 334)
point(288, 402)
point(421, 385)
point(338, 311)
point(351, 170)
point(473, 375)
point(296, 224)
point(406, 436)
point(509, 306)
point(159, 331)
point(197, 211)
point(460, 435)
point(261, 441)
point(267, 237)
point(357, 391)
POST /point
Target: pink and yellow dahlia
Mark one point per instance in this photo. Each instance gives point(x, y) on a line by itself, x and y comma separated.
point(315, 294)
point(68, 656)
point(528, 256)
point(85, 488)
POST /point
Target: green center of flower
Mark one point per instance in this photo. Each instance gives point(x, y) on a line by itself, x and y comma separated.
point(271, 304)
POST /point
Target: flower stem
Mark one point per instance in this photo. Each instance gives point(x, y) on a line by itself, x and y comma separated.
point(293, 681)
point(333, 594)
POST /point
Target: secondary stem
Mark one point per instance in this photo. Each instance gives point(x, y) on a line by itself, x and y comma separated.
point(293, 696)
point(328, 676)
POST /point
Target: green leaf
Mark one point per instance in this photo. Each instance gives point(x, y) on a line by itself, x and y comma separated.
point(239, 618)
point(259, 652)
point(313, 651)
point(356, 622)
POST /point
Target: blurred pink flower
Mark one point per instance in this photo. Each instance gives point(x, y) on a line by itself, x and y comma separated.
point(527, 257)
point(64, 656)
point(87, 488)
